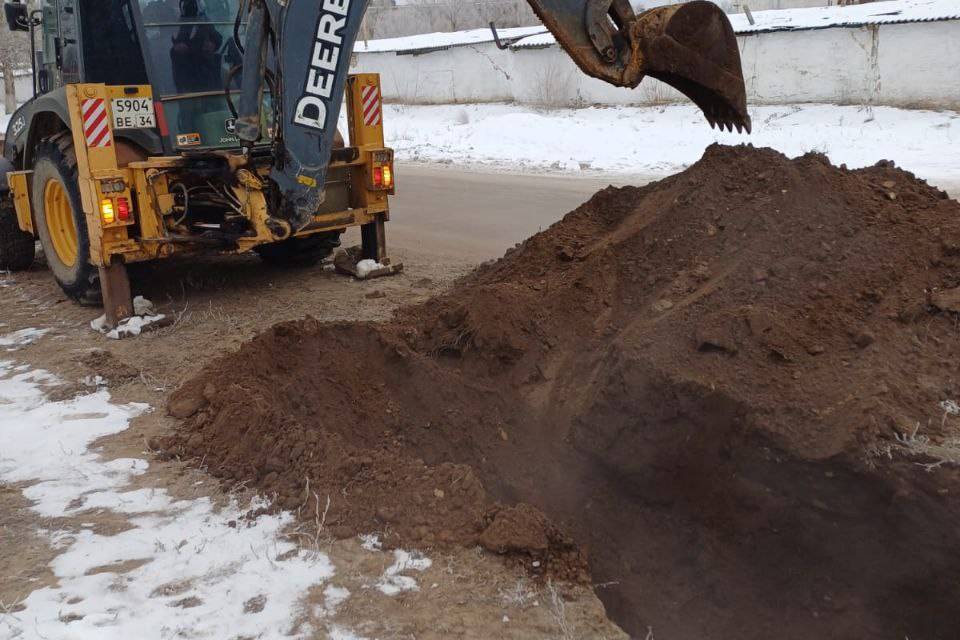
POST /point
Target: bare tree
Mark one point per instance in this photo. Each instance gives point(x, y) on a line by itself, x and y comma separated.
point(457, 15)
point(390, 18)
point(14, 57)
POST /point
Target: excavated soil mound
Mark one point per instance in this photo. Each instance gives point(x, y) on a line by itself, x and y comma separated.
point(734, 389)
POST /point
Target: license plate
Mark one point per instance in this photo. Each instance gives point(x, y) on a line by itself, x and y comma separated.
point(133, 113)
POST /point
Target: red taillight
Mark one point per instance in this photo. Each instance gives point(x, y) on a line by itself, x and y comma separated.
point(123, 209)
point(378, 176)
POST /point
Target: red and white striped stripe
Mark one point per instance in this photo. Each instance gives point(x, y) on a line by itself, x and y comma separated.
point(372, 109)
point(96, 127)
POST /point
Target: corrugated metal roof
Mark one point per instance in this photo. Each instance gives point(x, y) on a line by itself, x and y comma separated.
point(898, 11)
point(427, 42)
point(893, 12)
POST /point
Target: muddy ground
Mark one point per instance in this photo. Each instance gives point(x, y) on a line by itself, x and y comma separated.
point(217, 305)
point(735, 509)
point(729, 396)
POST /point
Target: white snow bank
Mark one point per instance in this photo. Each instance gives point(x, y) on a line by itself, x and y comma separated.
point(664, 140)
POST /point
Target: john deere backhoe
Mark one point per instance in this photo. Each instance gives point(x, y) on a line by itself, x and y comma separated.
point(166, 126)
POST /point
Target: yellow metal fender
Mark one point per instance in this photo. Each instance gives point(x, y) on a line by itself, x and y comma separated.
point(20, 189)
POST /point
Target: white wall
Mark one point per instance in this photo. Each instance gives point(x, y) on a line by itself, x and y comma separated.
point(905, 65)
point(24, 84)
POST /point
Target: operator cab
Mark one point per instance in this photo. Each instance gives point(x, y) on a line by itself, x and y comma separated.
point(190, 51)
point(184, 49)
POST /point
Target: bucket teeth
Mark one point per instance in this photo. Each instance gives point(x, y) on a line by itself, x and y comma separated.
point(692, 48)
point(689, 46)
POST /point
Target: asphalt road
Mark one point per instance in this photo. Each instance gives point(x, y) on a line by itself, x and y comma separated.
point(477, 216)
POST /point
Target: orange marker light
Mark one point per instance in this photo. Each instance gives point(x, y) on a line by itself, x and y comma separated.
point(387, 177)
point(106, 211)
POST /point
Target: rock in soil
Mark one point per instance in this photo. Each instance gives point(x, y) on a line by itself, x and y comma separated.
point(715, 418)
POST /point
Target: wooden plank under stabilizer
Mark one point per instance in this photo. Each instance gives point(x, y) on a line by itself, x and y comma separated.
point(117, 299)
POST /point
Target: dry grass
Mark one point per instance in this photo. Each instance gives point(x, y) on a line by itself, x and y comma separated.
point(520, 595)
point(915, 444)
point(931, 453)
point(8, 617)
point(313, 536)
point(558, 610)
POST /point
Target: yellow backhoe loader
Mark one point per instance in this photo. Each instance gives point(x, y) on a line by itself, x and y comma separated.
point(161, 127)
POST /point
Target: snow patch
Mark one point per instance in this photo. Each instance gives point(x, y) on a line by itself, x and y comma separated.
point(371, 542)
point(392, 582)
point(21, 338)
point(366, 267)
point(144, 316)
point(181, 568)
point(333, 597)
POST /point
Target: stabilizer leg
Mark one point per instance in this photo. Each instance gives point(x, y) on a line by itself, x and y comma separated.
point(117, 299)
point(374, 241)
point(369, 260)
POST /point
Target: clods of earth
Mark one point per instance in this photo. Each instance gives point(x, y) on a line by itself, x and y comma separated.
point(728, 397)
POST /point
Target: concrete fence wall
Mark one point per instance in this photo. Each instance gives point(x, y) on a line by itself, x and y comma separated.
point(905, 65)
point(24, 83)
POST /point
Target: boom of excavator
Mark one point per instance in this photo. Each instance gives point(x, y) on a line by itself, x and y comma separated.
point(219, 131)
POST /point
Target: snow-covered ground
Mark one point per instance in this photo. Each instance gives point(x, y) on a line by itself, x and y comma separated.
point(667, 139)
point(180, 569)
point(664, 140)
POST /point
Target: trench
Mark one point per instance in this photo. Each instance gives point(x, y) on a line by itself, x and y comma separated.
point(700, 387)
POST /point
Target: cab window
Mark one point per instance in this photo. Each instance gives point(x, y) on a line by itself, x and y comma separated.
point(111, 50)
point(190, 43)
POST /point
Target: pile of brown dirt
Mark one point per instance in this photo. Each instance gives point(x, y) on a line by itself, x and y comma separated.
point(732, 388)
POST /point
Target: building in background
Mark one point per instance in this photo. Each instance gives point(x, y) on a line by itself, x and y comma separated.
point(394, 18)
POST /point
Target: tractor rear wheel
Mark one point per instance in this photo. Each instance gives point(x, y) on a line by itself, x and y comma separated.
point(60, 221)
point(17, 247)
point(299, 252)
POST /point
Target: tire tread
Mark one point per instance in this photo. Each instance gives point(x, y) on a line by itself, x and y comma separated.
point(85, 289)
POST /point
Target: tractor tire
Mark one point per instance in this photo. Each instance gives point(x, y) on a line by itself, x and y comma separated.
point(17, 248)
point(299, 252)
point(60, 221)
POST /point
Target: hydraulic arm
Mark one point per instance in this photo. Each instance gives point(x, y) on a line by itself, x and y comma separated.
point(300, 50)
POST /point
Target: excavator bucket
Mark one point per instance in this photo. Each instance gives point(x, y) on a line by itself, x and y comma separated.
point(690, 47)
